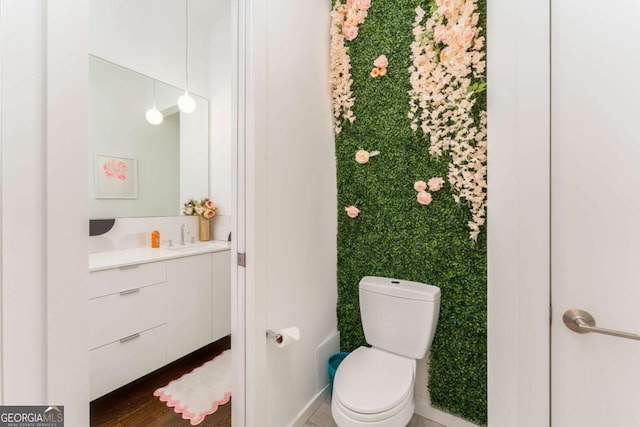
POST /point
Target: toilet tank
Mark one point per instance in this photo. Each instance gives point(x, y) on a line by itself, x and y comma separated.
point(399, 316)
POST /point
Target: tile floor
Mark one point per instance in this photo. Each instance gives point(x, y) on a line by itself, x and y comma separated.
point(322, 418)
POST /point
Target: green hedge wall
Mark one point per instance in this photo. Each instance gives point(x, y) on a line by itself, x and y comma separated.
point(396, 237)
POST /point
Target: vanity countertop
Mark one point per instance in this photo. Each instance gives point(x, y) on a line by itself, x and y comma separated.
point(120, 258)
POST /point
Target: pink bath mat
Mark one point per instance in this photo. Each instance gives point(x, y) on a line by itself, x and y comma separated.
point(199, 393)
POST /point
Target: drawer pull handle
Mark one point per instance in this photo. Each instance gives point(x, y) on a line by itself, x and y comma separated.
point(130, 291)
point(129, 267)
point(130, 337)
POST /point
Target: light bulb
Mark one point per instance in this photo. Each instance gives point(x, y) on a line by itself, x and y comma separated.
point(186, 103)
point(154, 116)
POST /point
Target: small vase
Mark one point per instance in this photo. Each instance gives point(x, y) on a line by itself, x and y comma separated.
point(205, 229)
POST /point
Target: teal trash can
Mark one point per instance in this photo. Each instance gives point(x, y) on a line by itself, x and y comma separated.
point(334, 362)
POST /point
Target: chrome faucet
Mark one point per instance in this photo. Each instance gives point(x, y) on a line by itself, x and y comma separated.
point(184, 228)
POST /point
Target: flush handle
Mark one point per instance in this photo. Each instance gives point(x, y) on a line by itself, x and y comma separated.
point(582, 322)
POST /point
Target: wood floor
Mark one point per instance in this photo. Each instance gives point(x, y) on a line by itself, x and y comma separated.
point(134, 405)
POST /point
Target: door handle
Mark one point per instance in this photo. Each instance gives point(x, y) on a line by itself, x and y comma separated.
point(582, 322)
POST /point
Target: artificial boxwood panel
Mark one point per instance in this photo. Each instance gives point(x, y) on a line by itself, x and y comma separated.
point(394, 236)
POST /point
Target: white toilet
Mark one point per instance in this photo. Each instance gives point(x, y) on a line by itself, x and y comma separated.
point(373, 387)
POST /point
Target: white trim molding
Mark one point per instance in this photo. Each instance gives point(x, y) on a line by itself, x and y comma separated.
point(238, 313)
point(67, 225)
point(307, 412)
point(1, 200)
point(518, 217)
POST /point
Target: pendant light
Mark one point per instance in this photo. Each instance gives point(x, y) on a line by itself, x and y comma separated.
point(186, 103)
point(154, 116)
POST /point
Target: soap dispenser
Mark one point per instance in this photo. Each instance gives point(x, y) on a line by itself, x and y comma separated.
point(155, 238)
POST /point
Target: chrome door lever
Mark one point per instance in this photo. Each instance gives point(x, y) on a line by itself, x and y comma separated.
point(582, 322)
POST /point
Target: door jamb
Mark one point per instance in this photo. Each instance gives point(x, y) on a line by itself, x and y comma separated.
point(519, 206)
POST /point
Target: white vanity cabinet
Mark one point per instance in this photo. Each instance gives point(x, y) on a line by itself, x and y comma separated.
point(127, 322)
point(221, 296)
point(199, 307)
point(189, 304)
point(145, 315)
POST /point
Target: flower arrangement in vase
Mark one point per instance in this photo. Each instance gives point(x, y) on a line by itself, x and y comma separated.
point(205, 209)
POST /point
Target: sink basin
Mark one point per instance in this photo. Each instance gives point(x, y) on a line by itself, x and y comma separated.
point(197, 246)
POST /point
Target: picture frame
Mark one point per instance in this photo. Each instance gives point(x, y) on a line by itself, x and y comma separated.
point(115, 177)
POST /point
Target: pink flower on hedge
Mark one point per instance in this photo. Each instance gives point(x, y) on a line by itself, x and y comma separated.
point(435, 184)
point(352, 211)
point(381, 62)
point(362, 156)
point(350, 22)
point(446, 8)
point(439, 33)
point(468, 34)
point(424, 198)
point(420, 185)
point(350, 33)
point(364, 4)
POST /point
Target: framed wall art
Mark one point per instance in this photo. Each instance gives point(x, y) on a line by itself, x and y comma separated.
point(116, 177)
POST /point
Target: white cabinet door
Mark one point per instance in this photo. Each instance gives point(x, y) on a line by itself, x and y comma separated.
point(595, 210)
point(121, 362)
point(189, 305)
point(221, 301)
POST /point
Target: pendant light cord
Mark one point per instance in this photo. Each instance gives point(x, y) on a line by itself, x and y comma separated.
point(186, 45)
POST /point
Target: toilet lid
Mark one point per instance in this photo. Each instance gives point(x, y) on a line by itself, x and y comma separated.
point(370, 380)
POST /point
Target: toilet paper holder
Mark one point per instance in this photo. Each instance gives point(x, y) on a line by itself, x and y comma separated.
point(274, 336)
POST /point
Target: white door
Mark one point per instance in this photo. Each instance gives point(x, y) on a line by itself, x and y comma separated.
point(595, 152)
point(290, 209)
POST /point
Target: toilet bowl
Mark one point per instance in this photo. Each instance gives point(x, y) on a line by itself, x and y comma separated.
point(374, 386)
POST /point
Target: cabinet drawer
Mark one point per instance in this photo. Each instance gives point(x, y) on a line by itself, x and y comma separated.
point(119, 315)
point(119, 363)
point(115, 280)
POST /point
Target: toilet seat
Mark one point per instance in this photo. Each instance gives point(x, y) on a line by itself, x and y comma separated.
point(374, 419)
point(373, 385)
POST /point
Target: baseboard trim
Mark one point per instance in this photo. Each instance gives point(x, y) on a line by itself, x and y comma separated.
point(424, 409)
point(308, 411)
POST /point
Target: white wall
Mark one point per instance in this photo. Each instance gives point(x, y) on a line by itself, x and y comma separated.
point(220, 102)
point(518, 219)
point(148, 36)
point(23, 266)
point(44, 209)
point(291, 206)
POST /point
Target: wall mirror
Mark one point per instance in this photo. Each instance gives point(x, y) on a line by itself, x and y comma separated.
point(138, 169)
